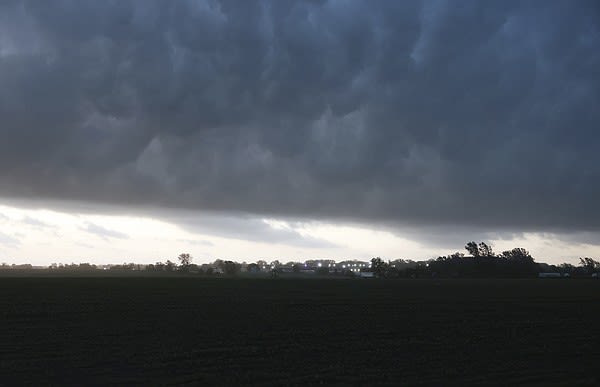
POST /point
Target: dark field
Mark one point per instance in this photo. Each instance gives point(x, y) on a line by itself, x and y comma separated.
point(187, 330)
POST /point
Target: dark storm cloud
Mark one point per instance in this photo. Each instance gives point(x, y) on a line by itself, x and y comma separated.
point(417, 113)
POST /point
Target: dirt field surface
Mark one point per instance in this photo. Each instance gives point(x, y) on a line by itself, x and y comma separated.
point(152, 331)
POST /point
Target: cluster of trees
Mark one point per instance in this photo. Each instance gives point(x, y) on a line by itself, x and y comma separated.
point(589, 265)
point(481, 261)
point(186, 266)
point(74, 266)
point(400, 268)
point(586, 266)
point(160, 266)
point(25, 266)
point(228, 267)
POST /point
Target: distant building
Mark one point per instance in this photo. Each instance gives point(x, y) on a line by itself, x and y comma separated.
point(549, 275)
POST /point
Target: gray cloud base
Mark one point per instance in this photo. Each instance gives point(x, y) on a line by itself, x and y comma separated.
point(416, 113)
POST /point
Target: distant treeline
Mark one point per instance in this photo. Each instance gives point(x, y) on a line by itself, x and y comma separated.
point(479, 262)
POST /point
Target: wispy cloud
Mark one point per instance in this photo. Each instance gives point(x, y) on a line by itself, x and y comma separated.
point(250, 228)
point(103, 232)
point(8, 240)
point(34, 222)
point(197, 242)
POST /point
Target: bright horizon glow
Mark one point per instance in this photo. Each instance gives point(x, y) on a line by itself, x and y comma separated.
point(44, 236)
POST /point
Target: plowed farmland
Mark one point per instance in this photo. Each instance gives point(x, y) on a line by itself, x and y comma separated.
point(81, 331)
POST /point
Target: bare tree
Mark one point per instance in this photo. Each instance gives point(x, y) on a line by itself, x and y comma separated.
point(185, 260)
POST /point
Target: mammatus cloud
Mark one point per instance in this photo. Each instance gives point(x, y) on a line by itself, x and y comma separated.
point(413, 113)
point(102, 232)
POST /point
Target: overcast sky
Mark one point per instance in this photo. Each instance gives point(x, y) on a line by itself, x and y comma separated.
point(250, 129)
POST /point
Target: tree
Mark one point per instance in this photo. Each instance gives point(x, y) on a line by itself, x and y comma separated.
point(517, 255)
point(485, 250)
point(275, 263)
point(261, 263)
point(170, 266)
point(379, 267)
point(185, 260)
point(589, 265)
point(472, 248)
point(567, 268)
point(228, 267)
point(481, 250)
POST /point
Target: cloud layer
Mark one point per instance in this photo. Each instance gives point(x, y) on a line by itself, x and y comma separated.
point(420, 113)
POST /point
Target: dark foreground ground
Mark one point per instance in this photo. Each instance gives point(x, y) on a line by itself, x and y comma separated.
point(361, 332)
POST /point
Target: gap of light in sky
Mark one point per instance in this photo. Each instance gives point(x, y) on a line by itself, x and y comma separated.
point(43, 236)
